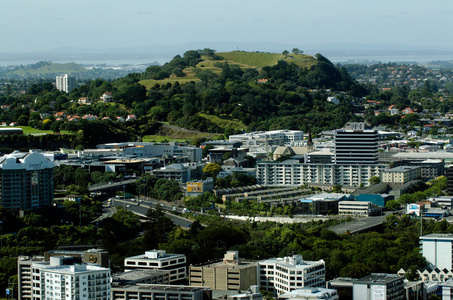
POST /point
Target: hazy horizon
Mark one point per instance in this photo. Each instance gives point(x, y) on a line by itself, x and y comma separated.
point(34, 26)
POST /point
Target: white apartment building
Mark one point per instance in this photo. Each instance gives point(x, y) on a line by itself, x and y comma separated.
point(65, 83)
point(291, 172)
point(268, 138)
point(158, 259)
point(53, 280)
point(283, 275)
point(437, 248)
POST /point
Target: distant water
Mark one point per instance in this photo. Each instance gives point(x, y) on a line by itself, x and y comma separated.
point(94, 62)
point(335, 59)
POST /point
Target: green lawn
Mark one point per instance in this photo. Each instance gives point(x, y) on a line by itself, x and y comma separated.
point(225, 121)
point(30, 130)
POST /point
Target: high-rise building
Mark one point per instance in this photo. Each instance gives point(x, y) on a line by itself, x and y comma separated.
point(65, 83)
point(283, 275)
point(355, 145)
point(26, 181)
point(158, 259)
point(49, 280)
point(437, 248)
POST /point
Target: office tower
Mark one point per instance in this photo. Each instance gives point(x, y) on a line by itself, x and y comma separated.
point(355, 145)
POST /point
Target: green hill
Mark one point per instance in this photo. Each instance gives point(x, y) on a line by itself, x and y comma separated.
point(47, 67)
point(244, 60)
point(261, 59)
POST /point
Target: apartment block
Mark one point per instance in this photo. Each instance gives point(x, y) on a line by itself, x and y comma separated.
point(65, 83)
point(26, 181)
point(401, 175)
point(56, 279)
point(283, 275)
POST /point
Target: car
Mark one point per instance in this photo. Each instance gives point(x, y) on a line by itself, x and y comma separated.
point(128, 205)
point(174, 208)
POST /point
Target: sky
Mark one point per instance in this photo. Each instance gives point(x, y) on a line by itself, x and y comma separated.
point(30, 25)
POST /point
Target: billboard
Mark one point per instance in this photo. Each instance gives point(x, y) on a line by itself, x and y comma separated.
point(195, 187)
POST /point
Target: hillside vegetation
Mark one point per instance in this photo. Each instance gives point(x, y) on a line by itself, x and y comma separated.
point(214, 62)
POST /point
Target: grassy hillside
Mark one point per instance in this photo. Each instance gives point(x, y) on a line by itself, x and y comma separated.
point(260, 59)
point(224, 121)
point(242, 59)
point(50, 67)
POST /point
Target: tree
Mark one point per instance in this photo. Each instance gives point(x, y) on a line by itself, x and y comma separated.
point(212, 169)
point(297, 51)
point(374, 180)
point(157, 228)
point(285, 53)
point(336, 188)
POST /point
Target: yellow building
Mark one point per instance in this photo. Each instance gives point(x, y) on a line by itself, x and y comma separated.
point(229, 274)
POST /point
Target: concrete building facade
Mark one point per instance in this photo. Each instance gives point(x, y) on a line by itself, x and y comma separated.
point(401, 175)
point(379, 286)
point(65, 83)
point(158, 259)
point(283, 275)
point(437, 248)
point(231, 273)
point(52, 280)
point(26, 181)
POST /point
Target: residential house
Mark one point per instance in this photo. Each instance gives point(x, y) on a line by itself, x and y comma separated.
point(131, 117)
point(107, 97)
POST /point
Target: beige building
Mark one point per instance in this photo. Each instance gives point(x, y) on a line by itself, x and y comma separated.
point(159, 260)
point(401, 174)
point(229, 274)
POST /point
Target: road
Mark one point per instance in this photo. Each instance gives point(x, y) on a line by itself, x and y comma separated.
point(359, 225)
point(112, 185)
point(141, 208)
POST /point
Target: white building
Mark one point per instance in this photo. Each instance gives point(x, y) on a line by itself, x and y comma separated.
point(379, 286)
point(309, 293)
point(65, 83)
point(158, 259)
point(356, 208)
point(283, 275)
point(269, 138)
point(26, 180)
point(291, 172)
point(333, 100)
point(53, 280)
point(437, 248)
